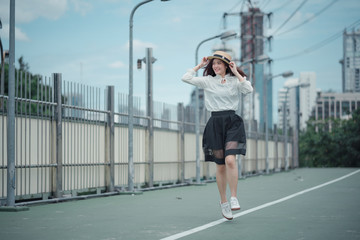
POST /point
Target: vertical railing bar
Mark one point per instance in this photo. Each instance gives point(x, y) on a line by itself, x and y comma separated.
point(98, 139)
point(25, 133)
point(94, 136)
point(67, 146)
point(81, 137)
point(2, 128)
point(42, 133)
point(29, 121)
point(46, 132)
point(56, 97)
point(82, 123)
point(80, 134)
point(73, 150)
point(88, 138)
point(37, 135)
point(17, 139)
point(51, 116)
point(76, 137)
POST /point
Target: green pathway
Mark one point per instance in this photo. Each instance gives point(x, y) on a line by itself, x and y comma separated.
point(329, 212)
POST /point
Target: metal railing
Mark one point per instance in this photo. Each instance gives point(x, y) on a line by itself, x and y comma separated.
point(71, 139)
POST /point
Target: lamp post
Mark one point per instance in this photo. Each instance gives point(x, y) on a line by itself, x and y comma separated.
point(222, 36)
point(130, 102)
point(266, 80)
point(285, 122)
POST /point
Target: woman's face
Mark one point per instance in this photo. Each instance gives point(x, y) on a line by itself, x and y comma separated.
point(219, 67)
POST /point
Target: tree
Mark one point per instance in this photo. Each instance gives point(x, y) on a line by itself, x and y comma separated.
point(340, 147)
point(28, 86)
point(23, 65)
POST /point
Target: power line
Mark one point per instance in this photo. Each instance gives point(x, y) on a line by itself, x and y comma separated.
point(236, 5)
point(296, 10)
point(309, 19)
point(319, 44)
point(263, 6)
point(285, 4)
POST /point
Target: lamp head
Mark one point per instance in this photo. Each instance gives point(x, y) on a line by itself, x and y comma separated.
point(227, 35)
point(304, 85)
point(287, 74)
point(262, 58)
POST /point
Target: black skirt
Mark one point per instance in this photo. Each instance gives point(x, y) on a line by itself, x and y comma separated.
point(224, 135)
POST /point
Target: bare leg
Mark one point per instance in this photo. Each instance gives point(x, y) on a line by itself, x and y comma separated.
point(221, 181)
point(232, 174)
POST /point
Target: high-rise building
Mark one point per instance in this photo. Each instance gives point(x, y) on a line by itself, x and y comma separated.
point(307, 97)
point(351, 61)
point(252, 47)
point(300, 99)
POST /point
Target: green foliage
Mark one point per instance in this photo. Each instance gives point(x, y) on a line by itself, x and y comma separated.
point(27, 86)
point(339, 147)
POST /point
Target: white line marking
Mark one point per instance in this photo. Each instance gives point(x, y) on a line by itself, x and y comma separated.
point(217, 222)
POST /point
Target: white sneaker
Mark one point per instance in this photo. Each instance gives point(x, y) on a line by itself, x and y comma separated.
point(226, 211)
point(234, 204)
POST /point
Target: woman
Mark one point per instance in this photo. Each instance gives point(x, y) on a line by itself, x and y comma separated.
point(224, 134)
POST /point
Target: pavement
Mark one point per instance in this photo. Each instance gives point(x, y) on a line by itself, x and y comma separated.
point(318, 203)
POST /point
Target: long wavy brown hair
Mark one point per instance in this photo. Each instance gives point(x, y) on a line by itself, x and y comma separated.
point(209, 70)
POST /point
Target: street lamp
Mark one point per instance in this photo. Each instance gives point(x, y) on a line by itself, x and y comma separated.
point(285, 121)
point(223, 36)
point(284, 75)
point(130, 102)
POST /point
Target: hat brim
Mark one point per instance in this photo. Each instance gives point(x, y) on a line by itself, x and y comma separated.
point(224, 59)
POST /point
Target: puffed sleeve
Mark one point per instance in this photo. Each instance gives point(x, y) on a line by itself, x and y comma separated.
point(189, 77)
point(245, 87)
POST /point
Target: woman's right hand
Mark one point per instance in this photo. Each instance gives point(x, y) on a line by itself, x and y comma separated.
point(204, 62)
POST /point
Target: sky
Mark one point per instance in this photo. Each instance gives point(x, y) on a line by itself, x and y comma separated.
point(88, 41)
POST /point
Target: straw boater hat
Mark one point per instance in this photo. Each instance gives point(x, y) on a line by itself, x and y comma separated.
point(222, 56)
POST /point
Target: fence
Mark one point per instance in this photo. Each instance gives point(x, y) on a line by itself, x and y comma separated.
point(70, 139)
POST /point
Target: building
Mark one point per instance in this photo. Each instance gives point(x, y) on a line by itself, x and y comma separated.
point(335, 105)
point(299, 95)
point(307, 97)
point(252, 47)
point(351, 61)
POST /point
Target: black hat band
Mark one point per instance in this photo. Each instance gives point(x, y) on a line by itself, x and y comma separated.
point(222, 57)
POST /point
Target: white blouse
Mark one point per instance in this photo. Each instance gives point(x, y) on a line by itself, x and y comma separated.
point(221, 94)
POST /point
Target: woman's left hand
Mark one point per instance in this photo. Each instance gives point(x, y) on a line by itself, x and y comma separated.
point(233, 67)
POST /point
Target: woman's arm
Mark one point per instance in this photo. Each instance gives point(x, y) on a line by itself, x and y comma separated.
point(233, 68)
point(189, 76)
point(203, 63)
point(244, 85)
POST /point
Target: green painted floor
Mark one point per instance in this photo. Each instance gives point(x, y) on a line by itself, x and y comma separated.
point(330, 212)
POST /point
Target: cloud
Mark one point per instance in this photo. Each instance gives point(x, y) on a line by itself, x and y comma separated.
point(27, 11)
point(81, 7)
point(139, 46)
point(19, 35)
point(117, 64)
point(176, 19)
